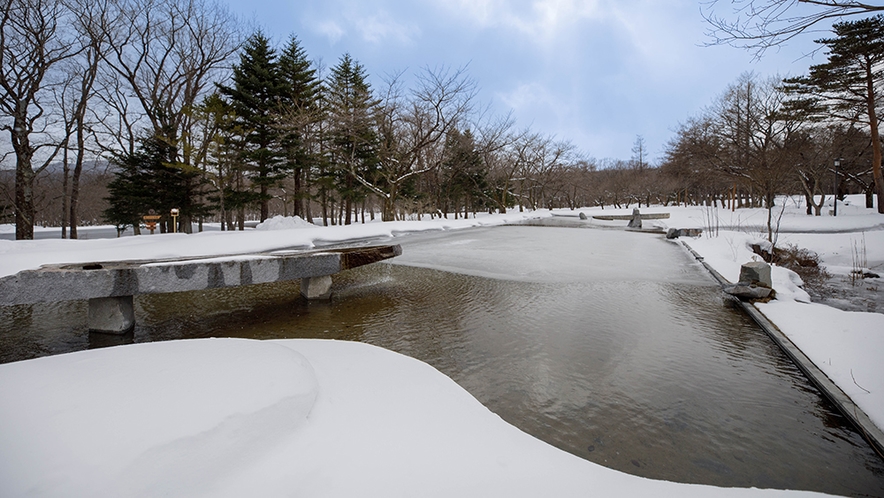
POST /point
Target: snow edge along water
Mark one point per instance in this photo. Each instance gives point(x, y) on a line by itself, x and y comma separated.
point(848, 408)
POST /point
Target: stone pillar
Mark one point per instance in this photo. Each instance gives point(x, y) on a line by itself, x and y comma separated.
point(636, 221)
point(112, 315)
point(316, 287)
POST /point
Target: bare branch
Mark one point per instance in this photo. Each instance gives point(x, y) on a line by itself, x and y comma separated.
point(758, 25)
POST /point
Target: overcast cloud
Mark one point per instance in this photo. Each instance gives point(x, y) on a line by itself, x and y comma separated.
point(596, 73)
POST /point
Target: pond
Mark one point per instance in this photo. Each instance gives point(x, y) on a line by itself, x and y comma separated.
point(611, 345)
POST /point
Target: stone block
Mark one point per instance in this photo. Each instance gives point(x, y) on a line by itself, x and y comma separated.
point(756, 272)
point(749, 292)
point(674, 233)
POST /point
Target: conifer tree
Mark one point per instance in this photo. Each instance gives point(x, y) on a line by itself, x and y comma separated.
point(351, 113)
point(298, 115)
point(850, 83)
point(150, 179)
point(463, 175)
point(255, 97)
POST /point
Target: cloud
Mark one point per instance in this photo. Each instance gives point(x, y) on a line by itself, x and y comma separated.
point(541, 19)
point(361, 22)
point(381, 28)
point(548, 110)
point(527, 95)
point(331, 30)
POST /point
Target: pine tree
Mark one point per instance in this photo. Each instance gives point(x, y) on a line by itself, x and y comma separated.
point(849, 84)
point(126, 195)
point(150, 179)
point(298, 115)
point(255, 96)
point(351, 110)
point(463, 175)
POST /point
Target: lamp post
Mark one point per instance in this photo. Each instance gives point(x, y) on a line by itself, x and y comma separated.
point(174, 220)
point(835, 199)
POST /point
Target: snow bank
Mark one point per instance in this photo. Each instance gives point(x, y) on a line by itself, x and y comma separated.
point(148, 419)
point(845, 345)
point(16, 256)
point(233, 417)
point(280, 222)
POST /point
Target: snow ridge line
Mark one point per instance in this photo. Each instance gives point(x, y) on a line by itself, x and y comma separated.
point(870, 432)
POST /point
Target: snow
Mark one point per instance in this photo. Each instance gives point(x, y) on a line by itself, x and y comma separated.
point(280, 222)
point(21, 255)
point(230, 417)
point(234, 417)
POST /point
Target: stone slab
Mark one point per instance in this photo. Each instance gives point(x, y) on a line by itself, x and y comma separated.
point(627, 217)
point(54, 283)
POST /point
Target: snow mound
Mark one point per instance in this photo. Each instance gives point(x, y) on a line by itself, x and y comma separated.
point(280, 222)
point(147, 419)
point(229, 417)
point(788, 285)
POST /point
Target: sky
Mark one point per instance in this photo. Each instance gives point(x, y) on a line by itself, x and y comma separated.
point(597, 73)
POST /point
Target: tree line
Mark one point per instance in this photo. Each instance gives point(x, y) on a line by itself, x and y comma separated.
point(196, 115)
point(193, 114)
point(814, 134)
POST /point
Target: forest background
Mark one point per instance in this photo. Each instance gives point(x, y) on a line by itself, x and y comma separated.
point(121, 108)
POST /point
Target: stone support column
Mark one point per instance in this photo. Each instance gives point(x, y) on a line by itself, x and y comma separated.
point(111, 315)
point(314, 288)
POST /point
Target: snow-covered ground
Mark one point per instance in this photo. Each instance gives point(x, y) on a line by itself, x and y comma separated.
point(321, 418)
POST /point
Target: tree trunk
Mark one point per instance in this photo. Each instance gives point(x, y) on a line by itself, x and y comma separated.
point(65, 197)
point(24, 196)
point(75, 180)
point(871, 101)
point(298, 208)
point(265, 207)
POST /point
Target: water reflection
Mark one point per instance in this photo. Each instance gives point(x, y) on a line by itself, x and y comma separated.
point(655, 378)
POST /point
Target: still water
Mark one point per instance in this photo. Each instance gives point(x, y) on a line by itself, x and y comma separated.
point(644, 368)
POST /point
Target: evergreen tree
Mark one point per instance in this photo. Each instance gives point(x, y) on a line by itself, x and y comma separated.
point(298, 114)
point(351, 114)
point(126, 196)
point(255, 96)
point(222, 157)
point(849, 84)
point(151, 179)
point(463, 175)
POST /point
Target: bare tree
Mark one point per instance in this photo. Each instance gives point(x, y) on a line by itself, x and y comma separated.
point(90, 17)
point(409, 128)
point(494, 140)
point(639, 153)
point(33, 40)
point(167, 52)
point(758, 25)
point(118, 115)
point(758, 139)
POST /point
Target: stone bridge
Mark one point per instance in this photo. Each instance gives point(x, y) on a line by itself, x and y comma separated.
point(109, 287)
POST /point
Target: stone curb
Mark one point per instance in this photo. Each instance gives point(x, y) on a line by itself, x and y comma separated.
point(870, 432)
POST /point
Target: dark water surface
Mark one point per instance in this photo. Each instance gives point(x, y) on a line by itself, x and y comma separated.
point(657, 378)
